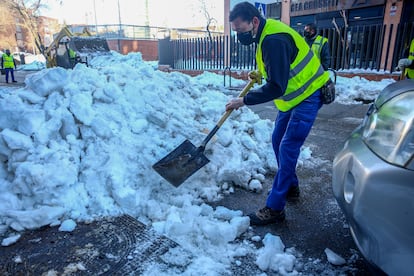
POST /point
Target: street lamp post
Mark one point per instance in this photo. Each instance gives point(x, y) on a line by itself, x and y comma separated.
point(96, 20)
point(120, 28)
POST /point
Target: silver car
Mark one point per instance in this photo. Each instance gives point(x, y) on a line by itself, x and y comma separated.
point(373, 181)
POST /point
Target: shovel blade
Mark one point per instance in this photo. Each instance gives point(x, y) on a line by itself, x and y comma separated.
point(181, 163)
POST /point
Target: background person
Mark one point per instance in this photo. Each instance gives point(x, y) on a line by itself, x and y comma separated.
point(7, 63)
point(407, 64)
point(318, 44)
point(294, 77)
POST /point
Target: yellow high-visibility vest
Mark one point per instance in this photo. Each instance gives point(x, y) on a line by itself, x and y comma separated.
point(318, 44)
point(306, 73)
point(410, 72)
point(8, 61)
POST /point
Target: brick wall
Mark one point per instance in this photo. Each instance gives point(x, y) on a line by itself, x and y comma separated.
point(148, 48)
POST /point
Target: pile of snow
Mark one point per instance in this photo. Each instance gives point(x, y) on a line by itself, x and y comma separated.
point(351, 90)
point(32, 62)
point(80, 144)
point(33, 66)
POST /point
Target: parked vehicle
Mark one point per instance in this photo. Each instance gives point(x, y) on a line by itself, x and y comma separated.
point(373, 181)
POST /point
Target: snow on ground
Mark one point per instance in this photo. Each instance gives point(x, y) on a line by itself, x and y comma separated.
point(80, 144)
point(351, 89)
point(33, 66)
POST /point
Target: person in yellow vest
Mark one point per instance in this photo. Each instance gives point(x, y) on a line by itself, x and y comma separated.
point(72, 53)
point(7, 63)
point(318, 44)
point(407, 64)
point(294, 77)
point(72, 57)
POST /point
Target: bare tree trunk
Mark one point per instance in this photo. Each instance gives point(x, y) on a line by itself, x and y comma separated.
point(25, 11)
point(345, 40)
point(7, 28)
point(210, 20)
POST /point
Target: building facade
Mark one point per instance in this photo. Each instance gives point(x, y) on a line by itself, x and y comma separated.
point(353, 26)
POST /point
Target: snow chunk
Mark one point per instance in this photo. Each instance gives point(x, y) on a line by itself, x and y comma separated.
point(47, 81)
point(32, 219)
point(272, 256)
point(10, 240)
point(334, 258)
point(67, 226)
point(16, 140)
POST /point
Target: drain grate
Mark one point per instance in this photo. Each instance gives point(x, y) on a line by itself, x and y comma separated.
point(111, 246)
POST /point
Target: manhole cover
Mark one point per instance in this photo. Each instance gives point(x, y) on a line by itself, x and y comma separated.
point(111, 246)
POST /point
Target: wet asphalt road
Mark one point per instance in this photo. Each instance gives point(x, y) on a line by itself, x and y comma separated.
point(314, 221)
point(19, 76)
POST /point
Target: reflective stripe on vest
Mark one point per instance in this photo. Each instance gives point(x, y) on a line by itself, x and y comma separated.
point(318, 44)
point(306, 74)
point(8, 61)
point(410, 72)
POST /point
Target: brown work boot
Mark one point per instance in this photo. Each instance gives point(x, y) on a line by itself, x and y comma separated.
point(267, 216)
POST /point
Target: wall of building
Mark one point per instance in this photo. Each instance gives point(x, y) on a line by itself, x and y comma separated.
point(392, 16)
point(340, 13)
point(148, 48)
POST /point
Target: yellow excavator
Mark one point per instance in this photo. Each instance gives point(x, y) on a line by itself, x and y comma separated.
point(68, 49)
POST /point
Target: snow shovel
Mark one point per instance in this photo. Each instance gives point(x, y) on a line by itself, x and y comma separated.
point(402, 76)
point(402, 73)
point(186, 159)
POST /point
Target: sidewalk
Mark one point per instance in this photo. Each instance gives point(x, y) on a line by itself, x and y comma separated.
point(19, 76)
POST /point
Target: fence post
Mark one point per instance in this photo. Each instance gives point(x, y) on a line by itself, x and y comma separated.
point(224, 74)
point(165, 52)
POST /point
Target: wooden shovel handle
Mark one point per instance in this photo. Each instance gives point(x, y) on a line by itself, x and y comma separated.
point(243, 93)
point(245, 90)
point(402, 77)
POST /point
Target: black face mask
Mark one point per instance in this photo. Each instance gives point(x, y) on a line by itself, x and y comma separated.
point(307, 34)
point(245, 38)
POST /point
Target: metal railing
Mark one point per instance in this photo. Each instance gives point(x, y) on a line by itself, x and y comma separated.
point(219, 52)
point(359, 47)
point(124, 31)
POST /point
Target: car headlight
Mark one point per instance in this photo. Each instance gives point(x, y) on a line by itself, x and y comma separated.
point(389, 131)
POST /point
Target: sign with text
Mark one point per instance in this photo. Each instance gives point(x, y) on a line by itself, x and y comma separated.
point(303, 7)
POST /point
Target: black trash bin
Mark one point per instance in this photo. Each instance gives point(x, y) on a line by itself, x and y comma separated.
point(22, 61)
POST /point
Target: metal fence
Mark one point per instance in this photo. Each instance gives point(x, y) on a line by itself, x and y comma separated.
point(360, 47)
point(125, 31)
point(368, 47)
point(219, 52)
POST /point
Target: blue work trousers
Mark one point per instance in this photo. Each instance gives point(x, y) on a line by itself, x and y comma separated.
point(11, 71)
point(291, 129)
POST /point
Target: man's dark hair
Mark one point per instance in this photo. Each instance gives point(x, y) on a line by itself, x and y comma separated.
point(313, 27)
point(245, 10)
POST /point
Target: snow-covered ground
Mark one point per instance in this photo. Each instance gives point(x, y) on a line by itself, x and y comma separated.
point(80, 144)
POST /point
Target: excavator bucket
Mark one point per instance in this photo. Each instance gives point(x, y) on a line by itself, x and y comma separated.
point(83, 49)
point(89, 44)
point(68, 49)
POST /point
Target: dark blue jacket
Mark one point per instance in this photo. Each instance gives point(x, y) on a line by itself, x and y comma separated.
point(279, 51)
